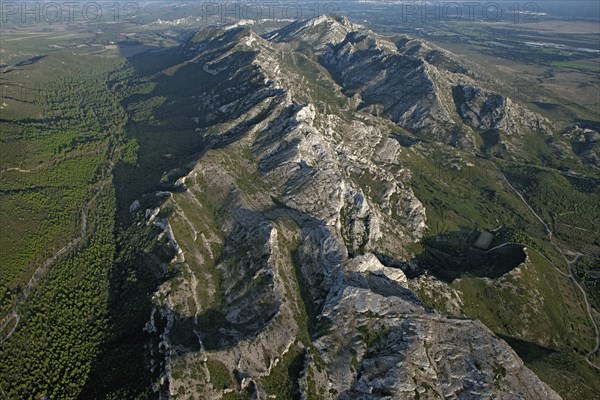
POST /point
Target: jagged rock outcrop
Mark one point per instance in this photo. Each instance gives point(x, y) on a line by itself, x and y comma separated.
point(484, 110)
point(388, 345)
point(416, 85)
point(403, 85)
point(585, 144)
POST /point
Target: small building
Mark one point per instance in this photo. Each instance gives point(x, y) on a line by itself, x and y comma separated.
point(484, 240)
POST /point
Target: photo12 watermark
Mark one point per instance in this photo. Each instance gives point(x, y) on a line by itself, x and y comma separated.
point(228, 11)
point(52, 12)
point(448, 11)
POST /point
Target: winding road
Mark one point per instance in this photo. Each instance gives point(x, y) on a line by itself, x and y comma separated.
point(39, 272)
point(568, 262)
point(13, 315)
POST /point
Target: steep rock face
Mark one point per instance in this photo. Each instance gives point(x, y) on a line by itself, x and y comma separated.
point(388, 345)
point(435, 56)
point(277, 222)
point(585, 144)
point(313, 166)
point(483, 109)
point(320, 32)
point(401, 84)
point(418, 86)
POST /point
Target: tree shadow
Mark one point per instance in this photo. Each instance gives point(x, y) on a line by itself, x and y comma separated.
point(453, 255)
point(528, 351)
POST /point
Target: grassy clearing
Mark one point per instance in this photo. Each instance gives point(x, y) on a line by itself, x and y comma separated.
point(580, 65)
